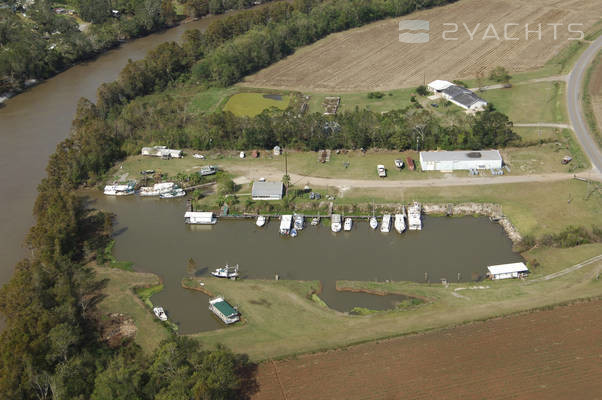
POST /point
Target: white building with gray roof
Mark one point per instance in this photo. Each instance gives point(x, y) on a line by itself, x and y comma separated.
point(460, 160)
point(458, 95)
point(267, 191)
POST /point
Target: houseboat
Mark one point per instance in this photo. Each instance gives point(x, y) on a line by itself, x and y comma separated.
point(348, 224)
point(226, 271)
point(160, 313)
point(157, 189)
point(415, 217)
point(224, 310)
point(119, 190)
point(299, 221)
point(286, 222)
point(199, 218)
point(400, 223)
point(335, 224)
point(385, 226)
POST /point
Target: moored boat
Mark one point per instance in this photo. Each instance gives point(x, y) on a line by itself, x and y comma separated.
point(315, 221)
point(226, 271)
point(178, 192)
point(373, 222)
point(385, 225)
point(286, 222)
point(335, 225)
point(293, 232)
point(299, 221)
point(119, 190)
point(415, 216)
point(224, 311)
point(399, 224)
point(261, 220)
point(160, 313)
point(157, 189)
point(348, 224)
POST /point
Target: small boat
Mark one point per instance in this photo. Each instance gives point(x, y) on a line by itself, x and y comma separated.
point(348, 224)
point(293, 232)
point(178, 192)
point(415, 216)
point(373, 222)
point(226, 271)
point(199, 156)
point(399, 224)
point(385, 226)
point(208, 170)
point(160, 313)
point(157, 189)
point(261, 220)
point(315, 221)
point(335, 225)
point(299, 221)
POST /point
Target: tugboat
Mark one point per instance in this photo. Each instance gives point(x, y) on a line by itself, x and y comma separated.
point(348, 224)
point(227, 272)
point(160, 313)
point(261, 220)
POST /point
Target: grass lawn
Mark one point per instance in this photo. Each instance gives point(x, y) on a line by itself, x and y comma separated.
point(533, 134)
point(280, 319)
point(392, 100)
point(251, 104)
point(533, 208)
point(209, 100)
point(120, 298)
point(537, 102)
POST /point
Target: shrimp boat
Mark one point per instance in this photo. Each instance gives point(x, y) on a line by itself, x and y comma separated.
point(119, 190)
point(226, 271)
point(414, 217)
point(160, 313)
point(385, 226)
point(335, 225)
point(373, 222)
point(285, 224)
point(299, 221)
point(261, 220)
point(348, 224)
point(178, 192)
point(400, 223)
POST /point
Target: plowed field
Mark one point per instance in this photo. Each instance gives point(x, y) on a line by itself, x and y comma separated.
point(373, 58)
point(553, 354)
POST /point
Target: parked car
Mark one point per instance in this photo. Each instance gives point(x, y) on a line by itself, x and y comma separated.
point(382, 172)
point(567, 159)
point(399, 164)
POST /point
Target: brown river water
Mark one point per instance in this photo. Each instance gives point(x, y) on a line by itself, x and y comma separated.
point(151, 232)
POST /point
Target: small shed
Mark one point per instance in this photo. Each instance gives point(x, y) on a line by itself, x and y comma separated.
point(199, 218)
point(267, 190)
point(277, 150)
point(507, 271)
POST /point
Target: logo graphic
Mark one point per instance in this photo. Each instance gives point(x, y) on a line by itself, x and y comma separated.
point(414, 25)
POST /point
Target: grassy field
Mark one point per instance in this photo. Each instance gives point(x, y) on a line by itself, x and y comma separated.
point(534, 208)
point(209, 100)
point(120, 298)
point(531, 103)
point(280, 319)
point(392, 100)
point(251, 104)
point(372, 58)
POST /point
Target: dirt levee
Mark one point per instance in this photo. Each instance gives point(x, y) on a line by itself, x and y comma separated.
point(554, 354)
point(373, 58)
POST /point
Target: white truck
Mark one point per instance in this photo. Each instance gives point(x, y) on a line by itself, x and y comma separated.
point(382, 172)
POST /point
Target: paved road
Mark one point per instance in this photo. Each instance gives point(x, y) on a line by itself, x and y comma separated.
point(544, 125)
point(575, 83)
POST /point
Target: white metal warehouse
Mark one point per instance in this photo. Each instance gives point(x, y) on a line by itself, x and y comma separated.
point(267, 190)
point(507, 271)
point(459, 160)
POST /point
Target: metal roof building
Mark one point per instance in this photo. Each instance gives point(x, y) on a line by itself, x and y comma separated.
point(459, 160)
point(506, 271)
point(458, 95)
point(267, 191)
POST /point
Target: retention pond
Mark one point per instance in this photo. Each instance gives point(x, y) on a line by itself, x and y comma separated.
point(152, 234)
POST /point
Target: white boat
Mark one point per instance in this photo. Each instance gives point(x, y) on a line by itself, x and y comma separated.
point(160, 313)
point(415, 217)
point(315, 221)
point(261, 220)
point(173, 194)
point(119, 190)
point(400, 223)
point(335, 224)
point(293, 232)
point(299, 221)
point(226, 271)
point(199, 218)
point(286, 222)
point(199, 156)
point(348, 224)
point(373, 222)
point(385, 226)
point(157, 189)
point(208, 170)
point(224, 310)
